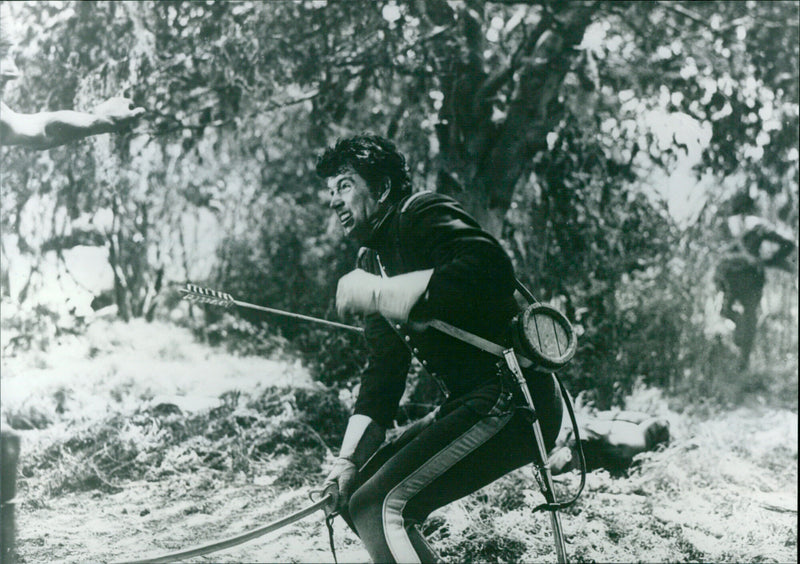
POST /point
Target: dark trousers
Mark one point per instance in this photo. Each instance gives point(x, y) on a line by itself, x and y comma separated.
point(467, 444)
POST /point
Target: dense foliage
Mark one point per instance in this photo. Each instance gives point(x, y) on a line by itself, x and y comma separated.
point(550, 121)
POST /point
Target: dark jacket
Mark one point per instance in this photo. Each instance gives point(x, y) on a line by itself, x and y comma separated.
point(472, 287)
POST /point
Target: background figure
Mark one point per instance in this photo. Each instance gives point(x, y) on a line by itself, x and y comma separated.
point(741, 279)
point(44, 130)
point(41, 130)
point(741, 274)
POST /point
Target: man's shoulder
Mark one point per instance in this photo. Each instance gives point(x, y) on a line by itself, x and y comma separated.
point(419, 202)
point(424, 212)
point(414, 199)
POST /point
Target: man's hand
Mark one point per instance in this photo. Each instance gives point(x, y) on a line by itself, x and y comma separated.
point(343, 474)
point(362, 292)
point(358, 292)
point(118, 110)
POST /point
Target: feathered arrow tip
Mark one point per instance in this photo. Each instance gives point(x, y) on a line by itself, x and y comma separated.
point(198, 294)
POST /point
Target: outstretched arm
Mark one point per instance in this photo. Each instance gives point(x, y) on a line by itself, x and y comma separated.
point(785, 247)
point(45, 130)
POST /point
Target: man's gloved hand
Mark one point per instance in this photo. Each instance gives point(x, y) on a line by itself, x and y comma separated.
point(343, 474)
point(357, 291)
point(393, 297)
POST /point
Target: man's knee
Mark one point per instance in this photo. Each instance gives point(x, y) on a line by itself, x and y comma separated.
point(366, 511)
point(365, 508)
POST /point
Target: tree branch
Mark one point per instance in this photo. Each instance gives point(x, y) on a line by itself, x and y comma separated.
point(698, 19)
point(496, 81)
point(678, 9)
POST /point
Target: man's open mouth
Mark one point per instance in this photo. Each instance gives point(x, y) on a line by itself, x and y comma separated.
point(345, 218)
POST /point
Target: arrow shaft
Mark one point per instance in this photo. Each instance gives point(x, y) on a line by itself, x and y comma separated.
point(298, 316)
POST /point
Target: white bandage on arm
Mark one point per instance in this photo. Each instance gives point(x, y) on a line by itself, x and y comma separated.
point(393, 297)
point(398, 294)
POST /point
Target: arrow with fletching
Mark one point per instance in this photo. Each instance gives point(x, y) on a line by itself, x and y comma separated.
point(200, 295)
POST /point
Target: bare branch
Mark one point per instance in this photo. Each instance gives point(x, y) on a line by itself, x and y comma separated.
point(501, 77)
point(697, 18)
point(678, 9)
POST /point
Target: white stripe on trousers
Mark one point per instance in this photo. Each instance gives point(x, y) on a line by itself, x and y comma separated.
point(393, 523)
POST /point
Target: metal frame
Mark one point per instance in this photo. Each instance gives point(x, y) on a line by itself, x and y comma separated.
point(548, 488)
point(325, 503)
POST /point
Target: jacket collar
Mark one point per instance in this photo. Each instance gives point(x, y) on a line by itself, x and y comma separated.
point(378, 222)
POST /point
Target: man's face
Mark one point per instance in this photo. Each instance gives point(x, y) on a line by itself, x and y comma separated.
point(352, 201)
point(8, 45)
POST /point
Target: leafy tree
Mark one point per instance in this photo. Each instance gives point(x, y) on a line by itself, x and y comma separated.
point(536, 115)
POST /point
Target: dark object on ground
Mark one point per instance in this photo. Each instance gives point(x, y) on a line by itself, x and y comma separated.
point(9, 454)
point(611, 440)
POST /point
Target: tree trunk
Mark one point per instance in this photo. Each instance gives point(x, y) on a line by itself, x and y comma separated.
point(128, 237)
point(483, 154)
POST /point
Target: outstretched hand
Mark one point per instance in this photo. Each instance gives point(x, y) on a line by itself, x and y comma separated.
point(119, 111)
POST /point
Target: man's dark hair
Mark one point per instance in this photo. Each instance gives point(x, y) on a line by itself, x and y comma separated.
point(374, 159)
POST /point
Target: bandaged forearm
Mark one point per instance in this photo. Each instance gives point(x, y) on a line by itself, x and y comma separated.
point(393, 297)
point(361, 439)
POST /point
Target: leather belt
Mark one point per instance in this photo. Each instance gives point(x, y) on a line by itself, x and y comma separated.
point(474, 340)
